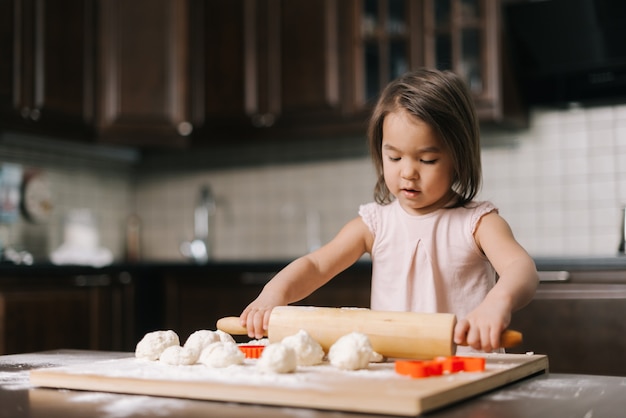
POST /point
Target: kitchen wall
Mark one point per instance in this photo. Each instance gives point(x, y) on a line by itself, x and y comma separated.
point(561, 185)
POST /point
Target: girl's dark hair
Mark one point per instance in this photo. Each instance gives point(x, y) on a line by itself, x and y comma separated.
point(442, 100)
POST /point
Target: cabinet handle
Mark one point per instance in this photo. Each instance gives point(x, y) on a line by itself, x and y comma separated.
point(92, 280)
point(35, 114)
point(264, 120)
point(553, 276)
point(184, 128)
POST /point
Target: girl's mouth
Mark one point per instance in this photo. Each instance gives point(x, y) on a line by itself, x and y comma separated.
point(410, 192)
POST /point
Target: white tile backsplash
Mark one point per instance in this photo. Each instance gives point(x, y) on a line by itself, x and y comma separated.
point(568, 179)
point(262, 212)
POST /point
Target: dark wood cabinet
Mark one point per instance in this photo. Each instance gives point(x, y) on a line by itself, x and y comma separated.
point(78, 312)
point(143, 89)
point(47, 53)
point(176, 73)
point(388, 37)
point(266, 68)
point(579, 326)
point(466, 36)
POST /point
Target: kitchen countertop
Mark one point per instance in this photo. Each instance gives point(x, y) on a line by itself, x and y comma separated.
point(553, 395)
point(543, 264)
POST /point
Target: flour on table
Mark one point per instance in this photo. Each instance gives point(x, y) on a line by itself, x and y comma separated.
point(154, 343)
point(308, 351)
point(351, 352)
point(179, 356)
point(201, 339)
point(221, 354)
point(278, 358)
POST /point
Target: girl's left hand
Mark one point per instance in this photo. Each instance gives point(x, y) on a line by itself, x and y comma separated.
point(481, 329)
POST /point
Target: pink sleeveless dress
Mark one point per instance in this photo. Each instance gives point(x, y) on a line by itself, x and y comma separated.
point(427, 263)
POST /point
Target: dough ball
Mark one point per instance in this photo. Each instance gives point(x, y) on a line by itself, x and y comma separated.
point(154, 343)
point(278, 358)
point(179, 356)
point(224, 336)
point(308, 351)
point(351, 352)
point(220, 354)
point(200, 340)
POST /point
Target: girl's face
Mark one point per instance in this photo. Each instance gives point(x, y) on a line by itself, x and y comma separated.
point(417, 170)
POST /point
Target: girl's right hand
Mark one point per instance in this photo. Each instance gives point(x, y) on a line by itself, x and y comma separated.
point(256, 316)
point(256, 320)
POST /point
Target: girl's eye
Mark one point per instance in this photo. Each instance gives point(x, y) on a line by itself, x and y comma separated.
point(428, 161)
point(393, 158)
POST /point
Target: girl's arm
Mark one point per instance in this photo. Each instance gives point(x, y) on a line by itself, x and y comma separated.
point(306, 274)
point(514, 289)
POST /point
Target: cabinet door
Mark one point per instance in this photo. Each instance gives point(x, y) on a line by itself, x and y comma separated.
point(579, 326)
point(83, 312)
point(389, 37)
point(296, 81)
point(465, 36)
point(143, 73)
point(265, 68)
point(47, 66)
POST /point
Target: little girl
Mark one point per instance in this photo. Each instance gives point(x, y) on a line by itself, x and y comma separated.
point(433, 248)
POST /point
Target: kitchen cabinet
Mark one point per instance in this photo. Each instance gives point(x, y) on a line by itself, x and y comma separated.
point(388, 38)
point(578, 323)
point(103, 71)
point(266, 69)
point(143, 73)
point(466, 36)
point(301, 68)
point(46, 312)
point(47, 66)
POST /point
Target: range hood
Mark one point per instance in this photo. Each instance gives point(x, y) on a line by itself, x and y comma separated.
point(567, 51)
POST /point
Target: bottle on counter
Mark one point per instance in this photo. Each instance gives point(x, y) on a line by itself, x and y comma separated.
point(133, 238)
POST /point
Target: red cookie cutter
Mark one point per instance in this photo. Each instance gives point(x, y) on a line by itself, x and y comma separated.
point(252, 351)
point(439, 366)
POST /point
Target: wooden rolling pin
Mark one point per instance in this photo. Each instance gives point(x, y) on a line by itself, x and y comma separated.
point(393, 334)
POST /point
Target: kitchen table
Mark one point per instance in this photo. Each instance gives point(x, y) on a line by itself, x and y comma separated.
point(545, 395)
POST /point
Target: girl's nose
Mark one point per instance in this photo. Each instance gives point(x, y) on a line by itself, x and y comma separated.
point(408, 171)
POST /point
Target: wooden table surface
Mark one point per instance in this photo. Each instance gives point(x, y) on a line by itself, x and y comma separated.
point(546, 395)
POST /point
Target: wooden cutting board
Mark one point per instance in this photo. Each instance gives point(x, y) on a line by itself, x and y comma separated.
point(378, 389)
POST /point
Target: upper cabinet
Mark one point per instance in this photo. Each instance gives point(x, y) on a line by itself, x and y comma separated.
point(47, 66)
point(296, 68)
point(143, 73)
point(465, 36)
point(265, 68)
point(387, 43)
point(180, 73)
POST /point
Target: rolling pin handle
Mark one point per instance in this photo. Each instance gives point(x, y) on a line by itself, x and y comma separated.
point(508, 339)
point(232, 325)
